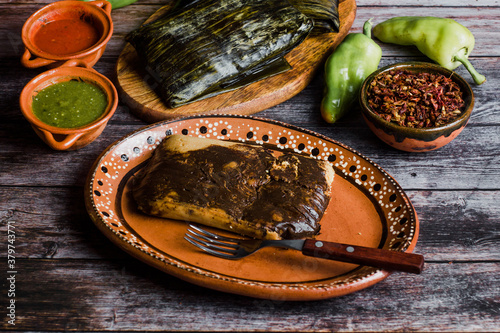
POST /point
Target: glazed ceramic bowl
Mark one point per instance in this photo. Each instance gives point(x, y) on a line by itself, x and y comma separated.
point(68, 138)
point(416, 139)
point(95, 13)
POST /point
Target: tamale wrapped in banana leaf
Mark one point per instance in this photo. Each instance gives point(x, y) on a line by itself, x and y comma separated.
point(207, 47)
point(325, 13)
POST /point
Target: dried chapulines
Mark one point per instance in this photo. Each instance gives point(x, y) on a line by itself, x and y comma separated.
point(418, 100)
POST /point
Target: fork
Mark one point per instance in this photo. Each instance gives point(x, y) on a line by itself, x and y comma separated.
point(236, 248)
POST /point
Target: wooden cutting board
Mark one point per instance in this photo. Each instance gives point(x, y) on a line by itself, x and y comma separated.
point(136, 86)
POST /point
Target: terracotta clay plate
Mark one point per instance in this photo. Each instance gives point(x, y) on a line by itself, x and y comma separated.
point(367, 208)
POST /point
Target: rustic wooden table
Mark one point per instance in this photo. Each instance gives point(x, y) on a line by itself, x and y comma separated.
point(68, 276)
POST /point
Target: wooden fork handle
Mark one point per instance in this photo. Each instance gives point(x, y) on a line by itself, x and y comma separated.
point(379, 258)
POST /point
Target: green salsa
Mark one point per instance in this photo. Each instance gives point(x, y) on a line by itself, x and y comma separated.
point(69, 104)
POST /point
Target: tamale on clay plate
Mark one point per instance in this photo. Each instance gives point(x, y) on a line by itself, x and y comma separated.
point(136, 86)
point(367, 208)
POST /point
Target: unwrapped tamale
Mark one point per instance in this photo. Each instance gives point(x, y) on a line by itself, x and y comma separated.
point(208, 47)
point(234, 186)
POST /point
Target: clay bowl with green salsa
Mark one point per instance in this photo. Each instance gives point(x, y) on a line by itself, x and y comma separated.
point(68, 107)
point(416, 106)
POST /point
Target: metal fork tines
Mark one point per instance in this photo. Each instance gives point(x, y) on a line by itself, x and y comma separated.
point(217, 245)
point(236, 248)
point(233, 248)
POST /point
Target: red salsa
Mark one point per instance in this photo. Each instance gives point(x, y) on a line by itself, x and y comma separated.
point(63, 37)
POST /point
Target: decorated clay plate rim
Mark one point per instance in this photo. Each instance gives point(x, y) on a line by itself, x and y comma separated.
point(115, 230)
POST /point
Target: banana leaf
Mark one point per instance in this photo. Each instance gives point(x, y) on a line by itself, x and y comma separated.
point(207, 47)
point(325, 13)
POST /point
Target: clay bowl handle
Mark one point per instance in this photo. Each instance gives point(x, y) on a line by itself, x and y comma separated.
point(105, 5)
point(27, 62)
point(64, 144)
point(77, 63)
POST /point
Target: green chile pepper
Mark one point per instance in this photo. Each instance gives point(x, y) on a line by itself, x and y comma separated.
point(443, 40)
point(346, 68)
point(115, 4)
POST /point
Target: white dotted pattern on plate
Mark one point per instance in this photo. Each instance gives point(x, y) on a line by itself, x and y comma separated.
point(115, 163)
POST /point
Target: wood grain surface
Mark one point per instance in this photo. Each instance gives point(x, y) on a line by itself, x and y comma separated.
point(137, 87)
point(70, 277)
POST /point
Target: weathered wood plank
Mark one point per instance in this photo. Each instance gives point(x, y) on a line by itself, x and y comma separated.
point(14, 16)
point(70, 277)
point(53, 223)
point(361, 3)
point(302, 110)
point(477, 20)
point(474, 152)
point(480, 19)
point(470, 162)
point(128, 295)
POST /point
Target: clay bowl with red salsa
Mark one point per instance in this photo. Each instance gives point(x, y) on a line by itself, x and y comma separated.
point(68, 107)
point(67, 33)
point(416, 106)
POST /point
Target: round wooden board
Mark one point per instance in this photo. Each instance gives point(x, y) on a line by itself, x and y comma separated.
point(136, 86)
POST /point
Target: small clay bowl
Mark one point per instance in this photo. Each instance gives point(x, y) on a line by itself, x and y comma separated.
point(68, 138)
point(416, 139)
point(95, 13)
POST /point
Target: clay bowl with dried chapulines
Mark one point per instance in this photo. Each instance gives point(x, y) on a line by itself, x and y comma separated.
point(413, 139)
